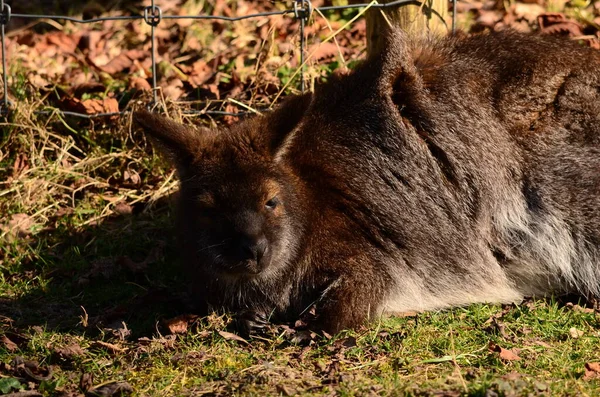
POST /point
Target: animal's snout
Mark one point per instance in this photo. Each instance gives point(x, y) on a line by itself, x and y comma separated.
point(253, 248)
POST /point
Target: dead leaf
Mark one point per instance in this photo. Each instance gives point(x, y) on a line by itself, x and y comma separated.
point(284, 390)
point(123, 209)
point(90, 106)
point(201, 73)
point(121, 62)
point(543, 344)
point(132, 176)
point(179, 324)
point(328, 50)
point(20, 165)
point(592, 371)
point(9, 344)
point(505, 354)
point(119, 330)
point(86, 381)
point(139, 83)
point(32, 369)
point(66, 42)
point(112, 348)
point(557, 23)
point(575, 333)
point(230, 336)
point(174, 90)
point(529, 12)
point(69, 352)
point(19, 225)
point(110, 389)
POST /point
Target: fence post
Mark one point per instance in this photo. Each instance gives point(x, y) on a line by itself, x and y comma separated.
point(4, 19)
point(302, 11)
point(414, 17)
point(153, 16)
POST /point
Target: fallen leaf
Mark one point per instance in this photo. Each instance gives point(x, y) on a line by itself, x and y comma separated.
point(575, 333)
point(230, 336)
point(557, 23)
point(139, 83)
point(529, 12)
point(9, 344)
point(121, 62)
point(112, 348)
point(86, 381)
point(328, 50)
point(19, 225)
point(90, 106)
point(179, 324)
point(592, 371)
point(543, 344)
point(284, 390)
point(110, 389)
point(69, 352)
point(505, 354)
point(123, 209)
point(201, 73)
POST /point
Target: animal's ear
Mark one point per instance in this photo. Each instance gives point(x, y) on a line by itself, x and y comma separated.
point(394, 61)
point(284, 119)
point(179, 142)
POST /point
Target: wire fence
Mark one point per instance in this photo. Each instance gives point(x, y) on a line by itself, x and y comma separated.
point(153, 16)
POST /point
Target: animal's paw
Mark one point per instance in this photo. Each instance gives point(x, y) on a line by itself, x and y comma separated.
point(250, 322)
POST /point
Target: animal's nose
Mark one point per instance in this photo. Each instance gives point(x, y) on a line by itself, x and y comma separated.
point(253, 248)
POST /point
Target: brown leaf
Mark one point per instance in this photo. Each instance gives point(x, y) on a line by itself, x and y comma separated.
point(8, 344)
point(557, 23)
point(174, 90)
point(66, 43)
point(179, 324)
point(112, 348)
point(123, 61)
point(592, 371)
point(230, 336)
point(69, 352)
point(86, 381)
point(106, 105)
point(18, 225)
point(90, 106)
point(529, 12)
point(110, 389)
point(575, 333)
point(123, 209)
point(324, 51)
point(139, 84)
point(505, 354)
point(20, 165)
point(201, 73)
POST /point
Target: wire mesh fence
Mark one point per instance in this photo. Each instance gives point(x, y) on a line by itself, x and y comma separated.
point(153, 16)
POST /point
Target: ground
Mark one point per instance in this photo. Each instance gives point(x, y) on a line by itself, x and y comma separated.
point(92, 297)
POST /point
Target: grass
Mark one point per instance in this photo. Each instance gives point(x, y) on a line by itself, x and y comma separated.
point(89, 274)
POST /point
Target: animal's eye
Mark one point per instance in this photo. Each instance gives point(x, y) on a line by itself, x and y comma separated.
point(271, 204)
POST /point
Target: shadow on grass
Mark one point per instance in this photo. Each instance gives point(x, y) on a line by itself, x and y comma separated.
point(124, 269)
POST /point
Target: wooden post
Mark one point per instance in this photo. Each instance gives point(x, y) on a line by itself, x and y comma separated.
point(415, 18)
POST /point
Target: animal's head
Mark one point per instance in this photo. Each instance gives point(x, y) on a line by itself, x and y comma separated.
point(240, 205)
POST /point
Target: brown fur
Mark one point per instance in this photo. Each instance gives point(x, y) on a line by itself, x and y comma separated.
point(437, 174)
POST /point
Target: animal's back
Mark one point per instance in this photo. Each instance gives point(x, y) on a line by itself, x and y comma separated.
point(472, 174)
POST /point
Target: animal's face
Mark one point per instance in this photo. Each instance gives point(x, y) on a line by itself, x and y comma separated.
point(240, 218)
point(240, 208)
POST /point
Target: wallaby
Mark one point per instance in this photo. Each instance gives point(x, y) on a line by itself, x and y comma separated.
point(438, 173)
